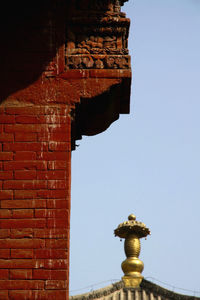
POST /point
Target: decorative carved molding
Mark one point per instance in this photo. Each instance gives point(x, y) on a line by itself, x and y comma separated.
point(97, 34)
point(98, 62)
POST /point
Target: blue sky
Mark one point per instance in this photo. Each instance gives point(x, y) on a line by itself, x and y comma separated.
point(148, 162)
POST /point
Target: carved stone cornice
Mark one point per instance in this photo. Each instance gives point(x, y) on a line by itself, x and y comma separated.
point(97, 34)
point(96, 46)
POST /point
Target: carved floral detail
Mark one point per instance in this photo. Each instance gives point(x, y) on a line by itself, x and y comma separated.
point(97, 62)
point(98, 37)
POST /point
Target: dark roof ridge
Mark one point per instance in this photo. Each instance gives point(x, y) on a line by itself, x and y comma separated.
point(146, 286)
point(100, 292)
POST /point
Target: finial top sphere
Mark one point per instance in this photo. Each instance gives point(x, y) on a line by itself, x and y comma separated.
point(132, 217)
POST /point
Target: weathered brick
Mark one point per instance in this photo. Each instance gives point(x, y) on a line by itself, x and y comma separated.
point(6, 194)
point(39, 295)
point(22, 253)
point(53, 119)
point(46, 136)
point(25, 184)
point(52, 213)
point(59, 146)
point(5, 213)
point(49, 274)
point(24, 194)
point(56, 244)
point(57, 203)
point(21, 233)
point(21, 263)
point(52, 156)
point(29, 128)
point(56, 184)
point(56, 264)
point(59, 233)
point(22, 213)
point(21, 274)
point(23, 203)
point(22, 243)
point(58, 295)
point(57, 223)
point(26, 146)
point(53, 194)
point(6, 155)
point(6, 119)
point(4, 253)
point(25, 174)
point(21, 284)
point(21, 295)
point(42, 119)
point(51, 174)
point(4, 274)
point(24, 223)
point(4, 233)
point(25, 155)
point(58, 165)
point(6, 175)
point(21, 165)
point(55, 284)
point(4, 295)
point(57, 127)
point(25, 137)
point(50, 253)
point(6, 137)
point(27, 119)
point(34, 110)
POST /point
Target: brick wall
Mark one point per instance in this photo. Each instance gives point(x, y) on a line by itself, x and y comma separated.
point(34, 201)
point(45, 75)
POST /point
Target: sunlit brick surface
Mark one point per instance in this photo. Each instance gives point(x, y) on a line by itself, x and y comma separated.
point(35, 201)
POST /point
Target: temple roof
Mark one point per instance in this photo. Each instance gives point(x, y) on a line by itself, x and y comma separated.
point(147, 291)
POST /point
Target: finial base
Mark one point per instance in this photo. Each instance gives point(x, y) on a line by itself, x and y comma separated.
point(132, 281)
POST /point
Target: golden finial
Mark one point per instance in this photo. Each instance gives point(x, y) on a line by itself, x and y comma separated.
point(132, 267)
point(132, 217)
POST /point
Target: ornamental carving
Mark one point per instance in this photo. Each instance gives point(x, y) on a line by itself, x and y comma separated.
point(97, 34)
point(98, 62)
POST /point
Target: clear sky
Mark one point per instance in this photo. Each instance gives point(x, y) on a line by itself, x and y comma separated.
point(148, 162)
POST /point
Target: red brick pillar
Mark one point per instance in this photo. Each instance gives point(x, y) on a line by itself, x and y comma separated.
point(59, 58)
point(35, 201)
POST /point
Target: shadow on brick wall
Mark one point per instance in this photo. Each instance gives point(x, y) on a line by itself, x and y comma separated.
point(28, 42)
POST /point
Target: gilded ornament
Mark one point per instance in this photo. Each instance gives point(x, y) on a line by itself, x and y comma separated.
point(132, 267)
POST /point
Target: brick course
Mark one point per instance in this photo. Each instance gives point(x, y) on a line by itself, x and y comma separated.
point(34, 201)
